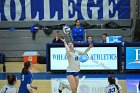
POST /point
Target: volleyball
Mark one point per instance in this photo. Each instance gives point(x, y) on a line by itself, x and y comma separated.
point(66, 29)
point(83, 58)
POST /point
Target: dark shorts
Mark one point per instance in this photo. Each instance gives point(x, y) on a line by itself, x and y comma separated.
point(72, 73)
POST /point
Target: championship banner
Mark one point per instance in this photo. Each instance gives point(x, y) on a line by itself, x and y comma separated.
point(63, 10)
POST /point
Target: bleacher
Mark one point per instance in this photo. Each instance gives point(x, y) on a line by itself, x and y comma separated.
point(14, 43)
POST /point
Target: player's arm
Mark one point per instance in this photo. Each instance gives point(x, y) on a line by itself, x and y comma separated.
point(29, 88)
point(105, 91)
point(82, 53)
point(34, 87)
point(120, 89)
point(66, 46)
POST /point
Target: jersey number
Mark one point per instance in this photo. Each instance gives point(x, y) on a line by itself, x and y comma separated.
point(112, 90)
point(76, 58)
point(5, 90)
point(22, 78)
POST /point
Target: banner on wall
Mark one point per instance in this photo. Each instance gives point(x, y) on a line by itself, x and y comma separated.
point(53, 10)
point(105, 59)
point(133, 60)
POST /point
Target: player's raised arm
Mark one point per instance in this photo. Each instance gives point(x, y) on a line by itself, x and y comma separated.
point(85, 52)
point(67, 47)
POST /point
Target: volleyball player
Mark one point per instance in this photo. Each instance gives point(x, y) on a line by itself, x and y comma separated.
point(73, 67)
point(26, 79)
point(9, 87)
point(113, 87)
point(138, 87)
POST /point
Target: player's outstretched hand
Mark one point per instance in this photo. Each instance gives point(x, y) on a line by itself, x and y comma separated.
point(34, 88)
point(90, 45)
point(63, 40)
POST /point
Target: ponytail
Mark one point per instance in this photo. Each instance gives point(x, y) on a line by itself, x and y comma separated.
point(117, 87)
point(11, 79)
point(25, 68)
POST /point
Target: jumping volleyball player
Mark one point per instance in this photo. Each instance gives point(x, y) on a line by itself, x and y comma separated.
point(9, 88)
point(26, 79)
point(73, 67)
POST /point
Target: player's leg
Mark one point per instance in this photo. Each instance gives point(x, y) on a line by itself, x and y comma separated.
point(76, 81)
point(73, 78)
point(73, 84)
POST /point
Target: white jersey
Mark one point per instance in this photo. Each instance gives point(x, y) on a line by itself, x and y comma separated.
point(138, 90)
point(8, 89)
point(73, 59)
point(113, 89)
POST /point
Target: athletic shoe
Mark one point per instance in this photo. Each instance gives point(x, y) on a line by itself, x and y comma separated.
point(62, 86)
